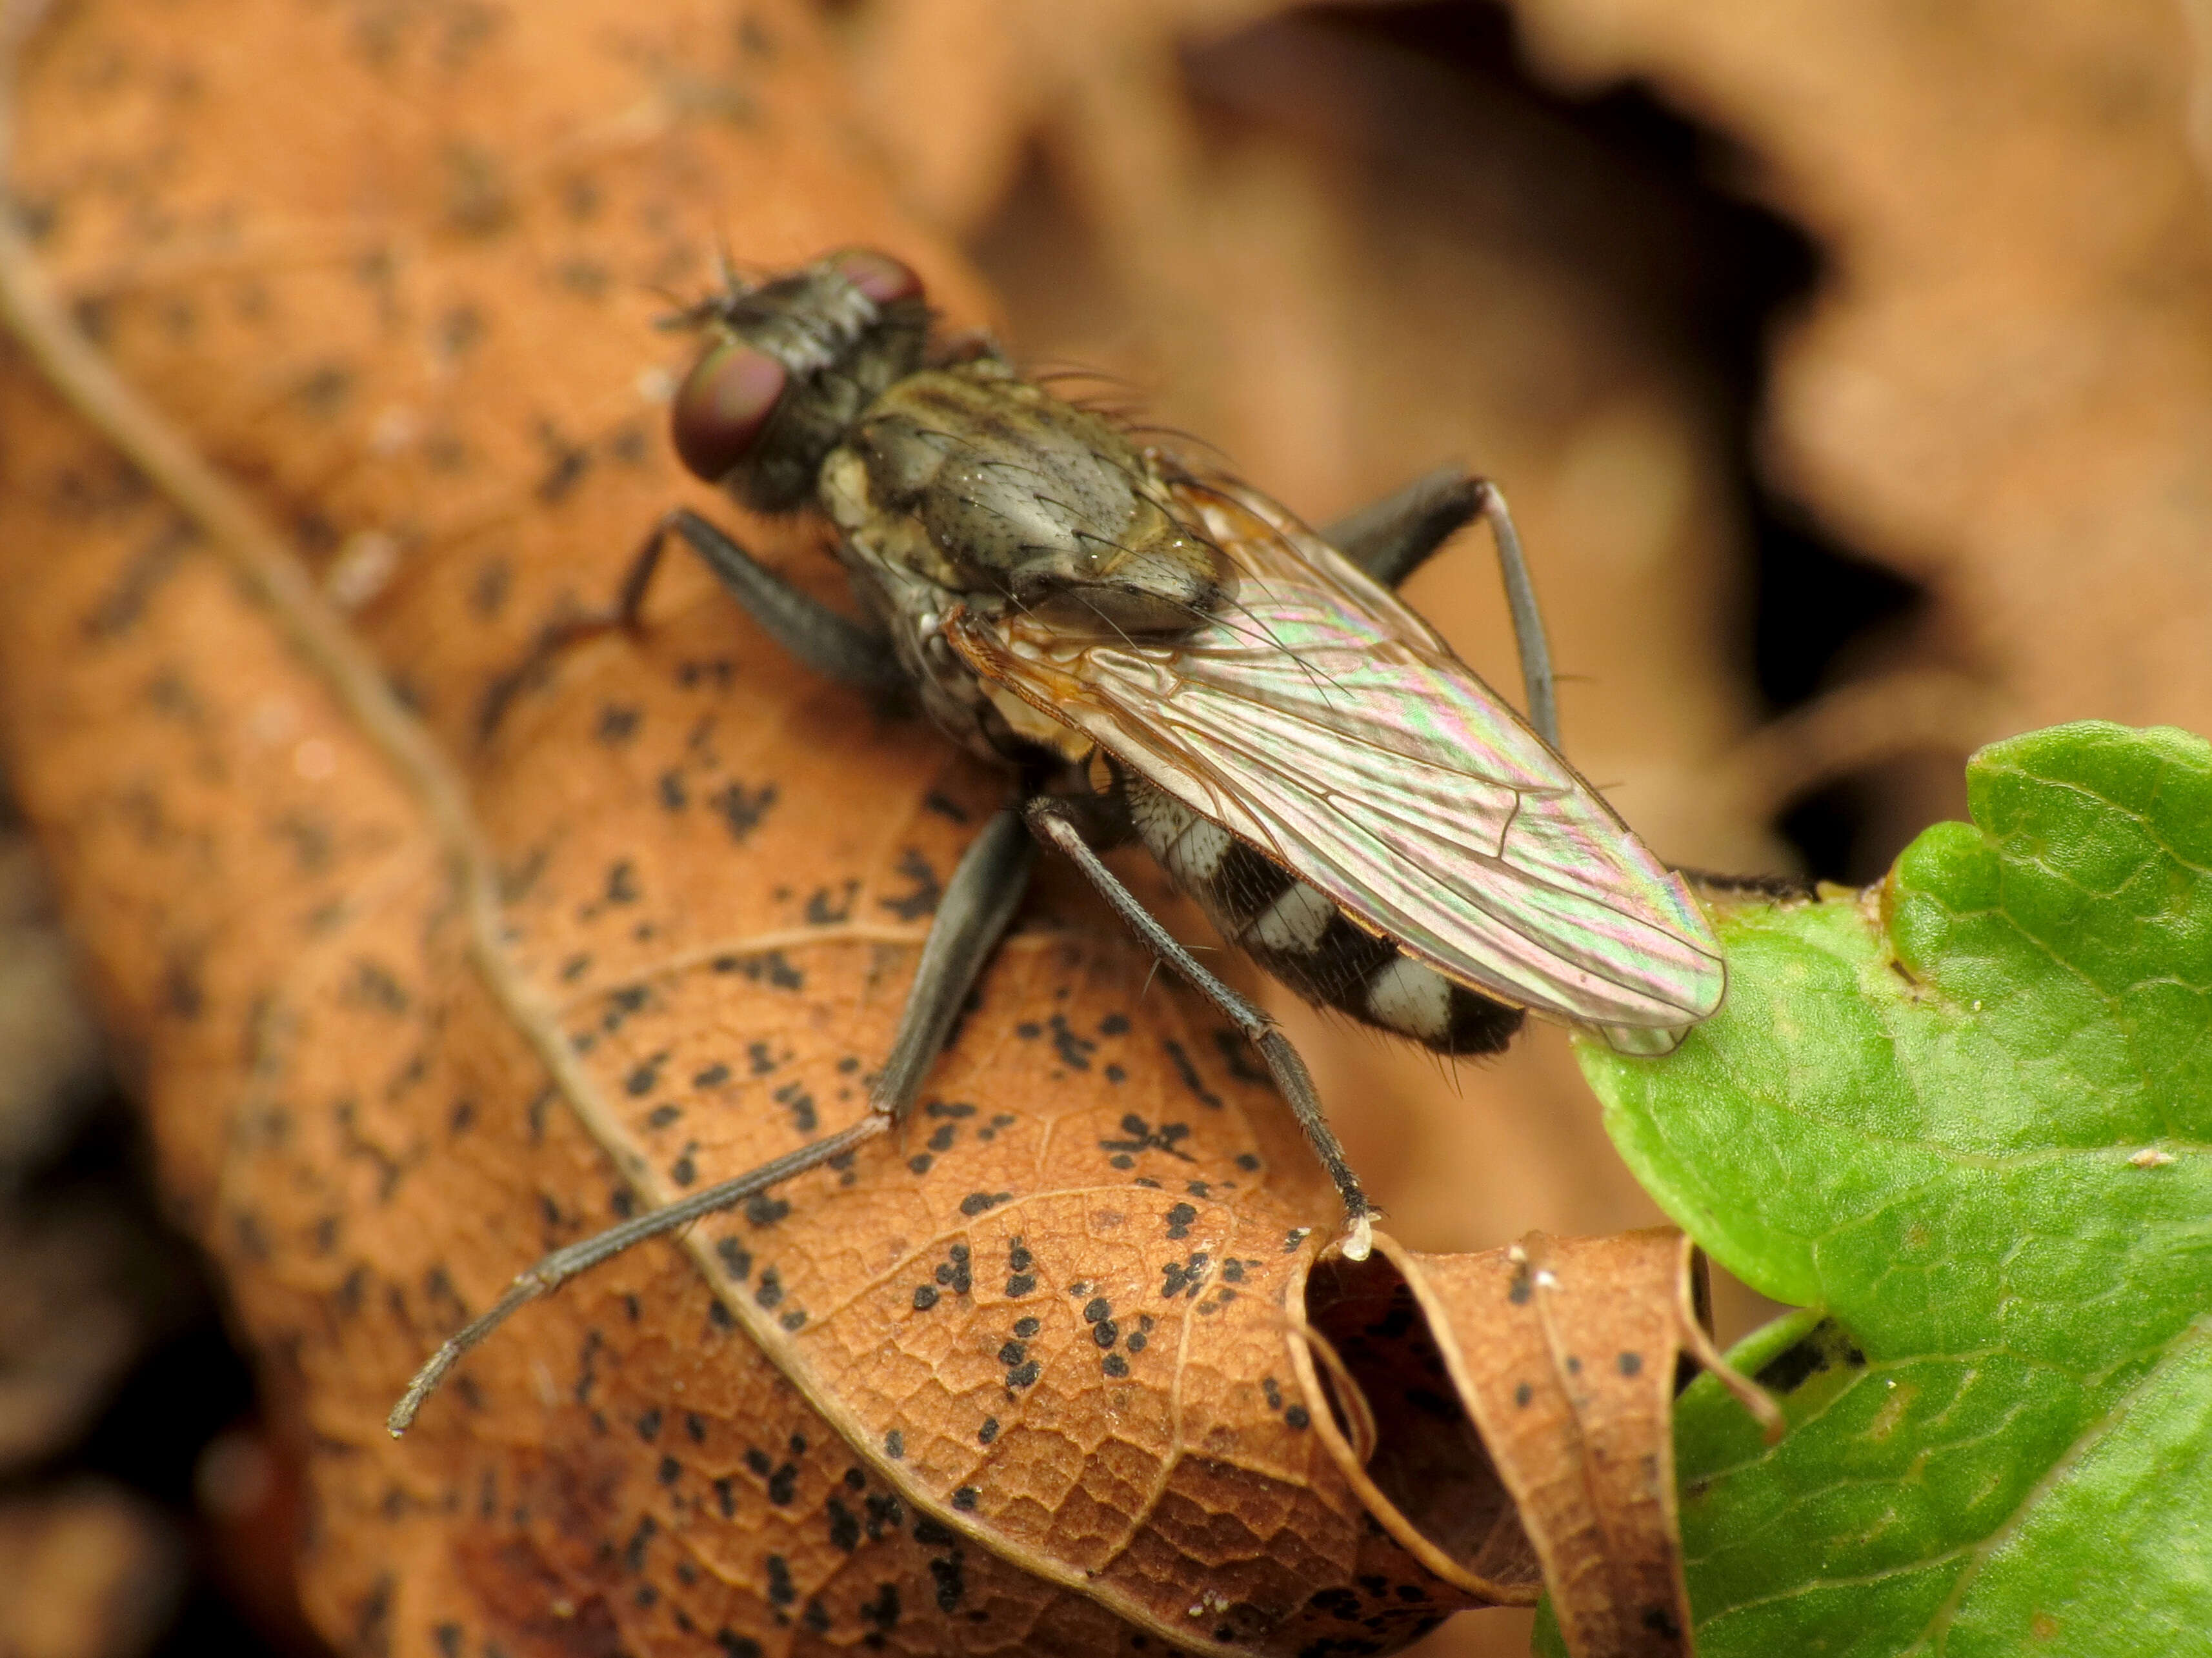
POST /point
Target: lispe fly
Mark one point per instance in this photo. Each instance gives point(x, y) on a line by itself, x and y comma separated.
point(1158, 653)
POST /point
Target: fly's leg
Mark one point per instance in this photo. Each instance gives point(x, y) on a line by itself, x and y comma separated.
point(1392, 537)
point(1052, 821)
point(1528, 620)
point(979, 902)
point(555, 1270)
point(1398, 534)
point(825, 641)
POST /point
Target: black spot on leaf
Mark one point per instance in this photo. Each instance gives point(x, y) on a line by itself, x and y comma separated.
point(926, 889)
point(1188, 1072)
point(743, 808)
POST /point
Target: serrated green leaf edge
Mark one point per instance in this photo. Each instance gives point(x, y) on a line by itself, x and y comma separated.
point(1962, 1114)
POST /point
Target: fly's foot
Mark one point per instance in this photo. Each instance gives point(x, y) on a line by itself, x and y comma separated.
point(553, 642)
point(1359, 1240)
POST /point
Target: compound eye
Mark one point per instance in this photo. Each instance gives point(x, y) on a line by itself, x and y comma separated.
point(879, 275)
point(721, 409)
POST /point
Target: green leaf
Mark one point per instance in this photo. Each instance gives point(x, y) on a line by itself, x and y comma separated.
point(1968, 1116)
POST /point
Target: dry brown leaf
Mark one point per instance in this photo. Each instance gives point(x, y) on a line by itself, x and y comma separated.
point(1566, 1349)
point(1027, 1379)
point(2002, 389)
point(1563, 1354)
point(92, 1572)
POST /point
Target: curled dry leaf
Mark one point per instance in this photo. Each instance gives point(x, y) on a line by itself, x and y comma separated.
point(1038, 1376)
point(1562, 1356)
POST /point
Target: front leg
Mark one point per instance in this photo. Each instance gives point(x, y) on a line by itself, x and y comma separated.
point(1051, 822)
point(825, 641)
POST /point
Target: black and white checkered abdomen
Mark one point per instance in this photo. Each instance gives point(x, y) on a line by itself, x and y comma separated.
point(1302, 937)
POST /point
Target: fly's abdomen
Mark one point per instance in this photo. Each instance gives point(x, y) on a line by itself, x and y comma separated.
point(1301, 937)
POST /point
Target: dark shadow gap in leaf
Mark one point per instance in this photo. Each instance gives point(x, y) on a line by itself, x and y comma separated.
point(1428, 1460)
point(1655, 198)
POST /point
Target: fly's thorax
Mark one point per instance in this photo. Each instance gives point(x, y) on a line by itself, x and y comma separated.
point(1007, 493)
point(967, 487)
point(886, 558)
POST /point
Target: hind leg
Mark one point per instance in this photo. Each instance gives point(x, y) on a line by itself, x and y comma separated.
point(1051, 822)
point(1392, 537)
point(1398, 534)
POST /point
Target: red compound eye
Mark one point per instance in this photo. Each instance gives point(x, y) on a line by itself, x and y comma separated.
point(879, 275)
point(723, 403)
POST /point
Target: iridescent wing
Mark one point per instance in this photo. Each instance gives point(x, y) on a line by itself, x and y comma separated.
point(1322, 720)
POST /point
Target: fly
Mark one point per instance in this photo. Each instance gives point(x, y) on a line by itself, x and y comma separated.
point(1158, 653)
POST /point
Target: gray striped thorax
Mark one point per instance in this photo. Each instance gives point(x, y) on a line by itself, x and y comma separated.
point(965, 485)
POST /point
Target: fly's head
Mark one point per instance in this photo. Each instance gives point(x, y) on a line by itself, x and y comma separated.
point(790, 364)
point(952, 479)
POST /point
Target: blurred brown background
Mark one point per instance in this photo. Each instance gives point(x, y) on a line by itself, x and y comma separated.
point(1846, 363)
